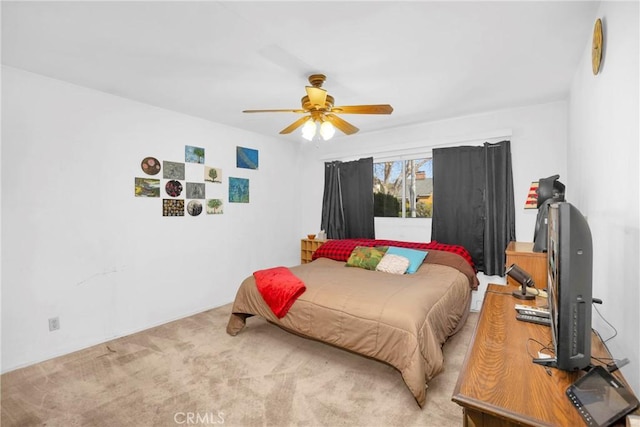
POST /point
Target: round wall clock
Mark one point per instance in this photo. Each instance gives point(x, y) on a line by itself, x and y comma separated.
point(596, 47)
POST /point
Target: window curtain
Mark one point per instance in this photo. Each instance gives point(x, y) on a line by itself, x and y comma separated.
point(473, 202)
point(347, 204)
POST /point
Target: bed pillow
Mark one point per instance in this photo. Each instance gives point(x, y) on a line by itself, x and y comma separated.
point(394, 264)
point(366, 257)
point(340, 249)
point(414, 256)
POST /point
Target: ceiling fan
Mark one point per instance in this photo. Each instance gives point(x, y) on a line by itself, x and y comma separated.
point(320, 113)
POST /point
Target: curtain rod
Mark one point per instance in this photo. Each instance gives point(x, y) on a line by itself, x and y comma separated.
point(419, 147)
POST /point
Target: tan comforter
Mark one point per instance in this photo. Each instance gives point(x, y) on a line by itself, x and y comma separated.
point(399, 319)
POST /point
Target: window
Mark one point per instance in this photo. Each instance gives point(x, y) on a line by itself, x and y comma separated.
point(403, 188)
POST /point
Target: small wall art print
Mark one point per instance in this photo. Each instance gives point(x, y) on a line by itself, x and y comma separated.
point(172, 170)
point(150, 165)
point(172, 207)
point(194, 207)
point(173, 188)
point(532, 197)
point(147, 187)
point(238, 190)
point(214, 206)
point(246, 158)
point(193, 154)
point(195, 190)
point(212, 175)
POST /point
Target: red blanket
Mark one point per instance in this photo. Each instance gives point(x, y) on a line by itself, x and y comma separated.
point(340, 249)
point(279, 287)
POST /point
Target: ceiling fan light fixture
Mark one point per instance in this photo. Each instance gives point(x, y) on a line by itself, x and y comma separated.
point(322, 118)
point(309, 129)
point(327, 130)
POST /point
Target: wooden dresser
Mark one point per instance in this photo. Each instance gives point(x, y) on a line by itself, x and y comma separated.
point(534, 263)
point(499, 385)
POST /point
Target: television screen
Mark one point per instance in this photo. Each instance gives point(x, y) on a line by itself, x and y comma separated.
point(570, 264)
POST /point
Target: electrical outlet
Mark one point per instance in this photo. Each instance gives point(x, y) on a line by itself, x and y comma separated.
point(54, 324)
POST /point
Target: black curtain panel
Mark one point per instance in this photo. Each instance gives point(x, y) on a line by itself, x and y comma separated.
point(332, 211)
point(473, 202)
point(458, 199)
point(500, 218)
point(347, 205)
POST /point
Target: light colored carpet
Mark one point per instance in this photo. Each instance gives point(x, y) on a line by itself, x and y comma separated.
point(190, 372)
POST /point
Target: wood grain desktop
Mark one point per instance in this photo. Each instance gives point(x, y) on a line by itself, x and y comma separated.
point(499, 385)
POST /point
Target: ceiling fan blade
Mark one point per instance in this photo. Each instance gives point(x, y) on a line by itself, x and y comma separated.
point(295, 125)
point(317, 96)
point(274, 111)
point(344, 126)
point(364, 109)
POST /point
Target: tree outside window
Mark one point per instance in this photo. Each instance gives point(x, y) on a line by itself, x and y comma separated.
point(403, 188)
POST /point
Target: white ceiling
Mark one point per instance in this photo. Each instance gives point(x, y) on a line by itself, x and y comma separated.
point(429, 60)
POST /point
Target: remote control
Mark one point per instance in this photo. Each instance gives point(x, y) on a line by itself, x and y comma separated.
point(536, 313)
point(529, 307)
point(534, 319)
point(532, 311)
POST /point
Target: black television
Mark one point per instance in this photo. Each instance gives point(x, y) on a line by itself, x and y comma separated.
point(569, 267)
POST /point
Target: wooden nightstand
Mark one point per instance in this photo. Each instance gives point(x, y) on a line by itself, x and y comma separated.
point(534, 263)
point(307, 248)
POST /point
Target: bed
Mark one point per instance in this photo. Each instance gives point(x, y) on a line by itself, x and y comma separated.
point(400, 319)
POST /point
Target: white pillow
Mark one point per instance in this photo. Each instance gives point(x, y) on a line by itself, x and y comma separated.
point(394, 264)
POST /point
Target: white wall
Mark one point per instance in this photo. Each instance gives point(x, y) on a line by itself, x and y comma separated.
point(538, 136)
point(77, 244)
point(603, 175)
